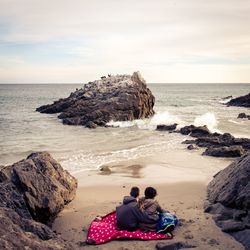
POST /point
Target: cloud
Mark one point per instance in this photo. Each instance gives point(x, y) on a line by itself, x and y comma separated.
point(168, 40)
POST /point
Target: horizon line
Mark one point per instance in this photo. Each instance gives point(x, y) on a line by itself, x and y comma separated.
point(47, 83)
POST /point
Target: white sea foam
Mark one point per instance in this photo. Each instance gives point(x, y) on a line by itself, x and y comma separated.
point(208, 119)
point(235, 122)
point(224, 101)
point(83, 161)
point(151, 123)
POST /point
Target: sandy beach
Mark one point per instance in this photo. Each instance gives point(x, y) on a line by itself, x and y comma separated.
point(99, 194)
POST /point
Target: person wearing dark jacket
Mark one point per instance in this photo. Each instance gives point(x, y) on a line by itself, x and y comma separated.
point(129, 215)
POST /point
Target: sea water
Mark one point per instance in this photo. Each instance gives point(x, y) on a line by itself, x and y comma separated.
point(23, 130)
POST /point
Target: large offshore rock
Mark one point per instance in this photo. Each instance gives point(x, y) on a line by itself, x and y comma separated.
point(242, 101)
point(32, 192)
point(229, 199)
point(117, 98)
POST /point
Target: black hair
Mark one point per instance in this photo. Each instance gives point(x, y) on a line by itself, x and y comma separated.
point(150, 193)
point(134, 192)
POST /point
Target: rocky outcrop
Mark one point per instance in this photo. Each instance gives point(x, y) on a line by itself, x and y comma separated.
point(19, 233)
point(242, 101)
point(229, 199)
point(32, 192)
point(194, 131)
point(218, 145)
point(231, 151)
point(243, 115)
point(117, 98)
point(163, 127)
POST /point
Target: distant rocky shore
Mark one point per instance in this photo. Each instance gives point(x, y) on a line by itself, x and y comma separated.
point(229, 199)
point(216, 144)
point(117, 98)
point(242, 101)
point(32, 193)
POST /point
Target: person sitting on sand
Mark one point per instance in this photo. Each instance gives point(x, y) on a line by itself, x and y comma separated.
point(129, 215)
point(152, 208)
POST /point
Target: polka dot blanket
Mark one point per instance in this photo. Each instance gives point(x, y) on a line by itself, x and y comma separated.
point(104, 229)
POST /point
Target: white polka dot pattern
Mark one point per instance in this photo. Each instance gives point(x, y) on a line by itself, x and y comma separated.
point(105, 229)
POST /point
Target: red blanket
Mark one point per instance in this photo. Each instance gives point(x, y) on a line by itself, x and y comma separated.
point(104, 229)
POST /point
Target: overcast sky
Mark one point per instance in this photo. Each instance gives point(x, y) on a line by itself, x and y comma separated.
point(166, 40)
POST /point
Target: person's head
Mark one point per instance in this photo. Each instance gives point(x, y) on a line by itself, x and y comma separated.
point(134, 192)
point(150, 193)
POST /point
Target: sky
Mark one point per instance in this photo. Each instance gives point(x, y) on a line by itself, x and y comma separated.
point(168, 41)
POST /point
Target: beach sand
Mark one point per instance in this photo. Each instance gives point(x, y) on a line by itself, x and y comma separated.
point(99, 194)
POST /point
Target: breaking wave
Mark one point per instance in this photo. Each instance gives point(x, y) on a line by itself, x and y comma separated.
point(208, 119)
point(150, 123)
point(83, 161)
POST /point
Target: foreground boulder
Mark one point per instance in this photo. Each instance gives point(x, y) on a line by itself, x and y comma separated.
point(32, 192)
point(229, 199)
point(117, 98)
point(19, 233)
point(242, 101)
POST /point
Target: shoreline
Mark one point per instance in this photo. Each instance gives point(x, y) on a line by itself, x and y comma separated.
point(100, 194)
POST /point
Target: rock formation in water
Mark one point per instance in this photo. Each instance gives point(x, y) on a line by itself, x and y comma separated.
point(229, 199)
point(218, 145)
point(242, 101)
point(117, 98)
point(243, 115)
point(32, 193)
point(166, 127)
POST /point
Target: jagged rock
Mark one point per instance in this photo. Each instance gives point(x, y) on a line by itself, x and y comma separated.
point(35, 189)
point(231, 151)
point(229, 199)
point(225, 213)
point(117, 98)
point(163, 127)
point(19, 233)
point(91, 125)
point(231, 186)
point(195, 131)
point(218, 145)
point(243, 115)
point(242, 101)
point(243, 237)
point(229, 226)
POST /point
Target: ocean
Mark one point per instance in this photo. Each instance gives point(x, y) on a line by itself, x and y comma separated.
point(23, 130)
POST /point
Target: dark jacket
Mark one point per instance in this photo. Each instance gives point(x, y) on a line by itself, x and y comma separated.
point(153, 209)
point(128, 215)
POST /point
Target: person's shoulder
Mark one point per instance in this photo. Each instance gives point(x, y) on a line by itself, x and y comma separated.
point(156, 202)
point(141, 199)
